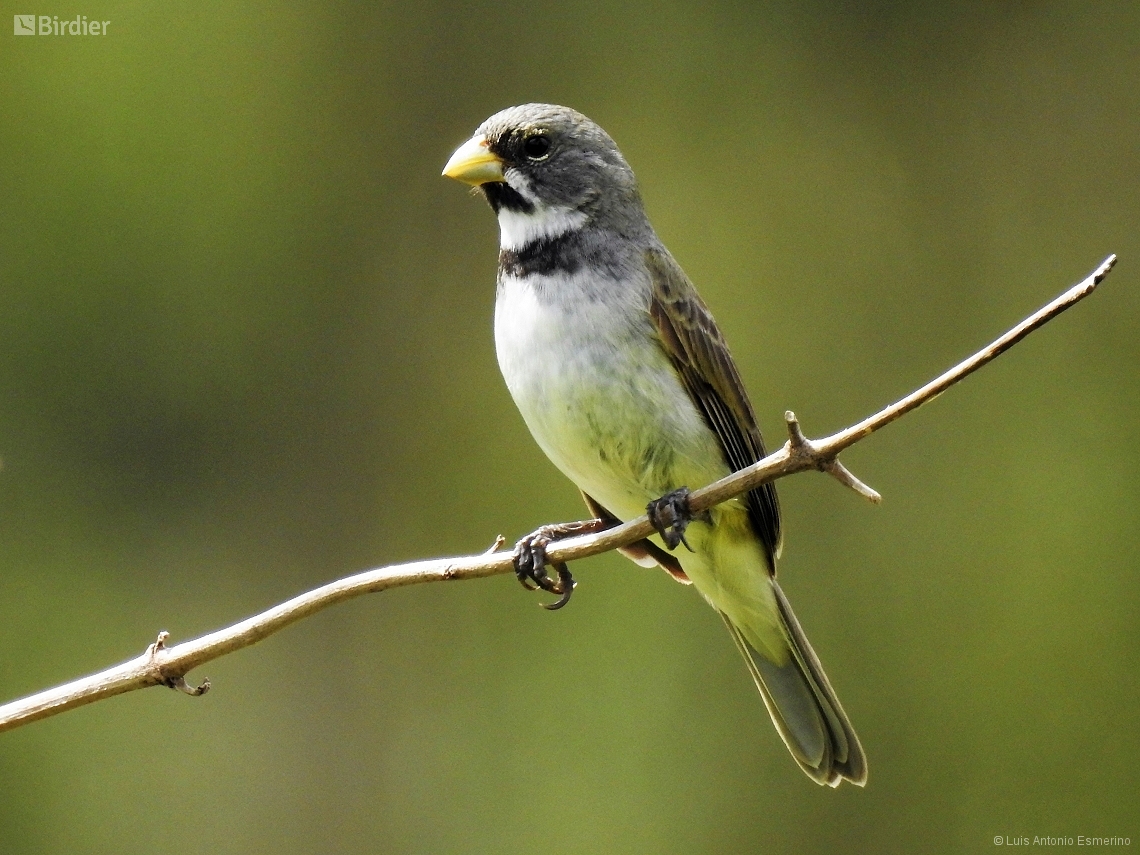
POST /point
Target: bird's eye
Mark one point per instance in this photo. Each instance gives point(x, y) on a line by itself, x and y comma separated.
point(536, 147)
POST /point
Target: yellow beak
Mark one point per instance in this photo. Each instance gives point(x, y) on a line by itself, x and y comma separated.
point(474, 163)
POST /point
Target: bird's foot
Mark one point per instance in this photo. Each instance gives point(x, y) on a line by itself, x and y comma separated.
point(671, 515)
point(531, 562)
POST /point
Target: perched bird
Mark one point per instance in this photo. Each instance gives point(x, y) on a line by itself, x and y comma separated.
point(623, 378)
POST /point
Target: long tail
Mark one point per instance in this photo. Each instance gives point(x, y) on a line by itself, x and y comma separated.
point(803, 705)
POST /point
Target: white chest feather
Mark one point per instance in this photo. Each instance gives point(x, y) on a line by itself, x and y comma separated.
point(517, 230)
point(598, 393)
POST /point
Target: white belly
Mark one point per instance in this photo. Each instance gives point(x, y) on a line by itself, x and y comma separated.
point(606, 406)
point(600, 396)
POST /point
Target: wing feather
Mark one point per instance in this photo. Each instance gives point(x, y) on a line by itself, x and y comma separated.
point(698, 351)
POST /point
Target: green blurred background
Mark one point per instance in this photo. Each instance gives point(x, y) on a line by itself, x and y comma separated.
point(245, 348)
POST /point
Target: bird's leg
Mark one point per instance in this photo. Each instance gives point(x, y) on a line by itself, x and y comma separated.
point(530, 559)
point(671, 515)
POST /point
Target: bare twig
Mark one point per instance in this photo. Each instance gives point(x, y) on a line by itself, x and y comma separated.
point(168, 666)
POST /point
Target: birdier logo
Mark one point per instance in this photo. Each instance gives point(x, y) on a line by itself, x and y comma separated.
point(51, 25)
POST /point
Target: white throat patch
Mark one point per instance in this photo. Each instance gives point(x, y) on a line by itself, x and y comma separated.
point(517, 229)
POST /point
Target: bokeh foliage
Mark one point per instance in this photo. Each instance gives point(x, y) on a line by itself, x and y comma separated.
point(245, 348)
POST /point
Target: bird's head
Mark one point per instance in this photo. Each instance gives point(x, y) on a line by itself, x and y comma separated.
point(546, 169)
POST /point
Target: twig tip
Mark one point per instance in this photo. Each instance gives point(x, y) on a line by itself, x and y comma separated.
point(1102, 271)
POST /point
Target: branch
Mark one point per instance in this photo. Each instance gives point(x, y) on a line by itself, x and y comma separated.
point(168, 666)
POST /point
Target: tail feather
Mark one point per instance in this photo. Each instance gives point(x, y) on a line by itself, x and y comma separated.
point(803, 706)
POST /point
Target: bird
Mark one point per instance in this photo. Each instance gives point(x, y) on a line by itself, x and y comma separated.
point(627, 385)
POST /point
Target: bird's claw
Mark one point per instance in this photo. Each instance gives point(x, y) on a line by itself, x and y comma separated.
point(564, 588)
point(671, 515)
point(530, 567)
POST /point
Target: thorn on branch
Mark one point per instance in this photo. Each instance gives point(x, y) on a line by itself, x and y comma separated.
point(795, 435)
point(174, 681)
point(800, 446)
point(159, 643)
point(181, 685)
point(845, 476)
point(497, 545)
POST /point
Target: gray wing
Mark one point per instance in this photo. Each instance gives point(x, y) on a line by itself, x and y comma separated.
point(698, 351)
